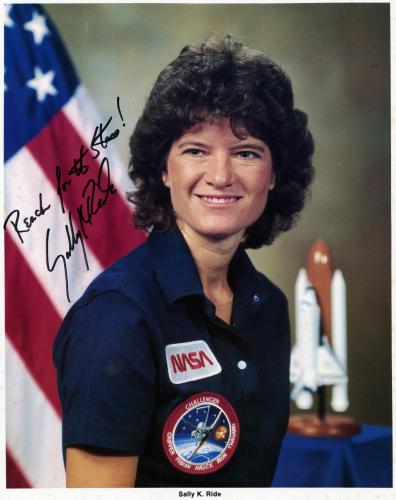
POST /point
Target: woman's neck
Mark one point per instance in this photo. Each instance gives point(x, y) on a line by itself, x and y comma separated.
point(212, 258)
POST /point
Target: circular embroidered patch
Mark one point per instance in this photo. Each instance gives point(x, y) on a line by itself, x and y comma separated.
point(201, 434)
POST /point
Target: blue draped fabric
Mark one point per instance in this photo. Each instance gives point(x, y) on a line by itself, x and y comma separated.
point(364, 460)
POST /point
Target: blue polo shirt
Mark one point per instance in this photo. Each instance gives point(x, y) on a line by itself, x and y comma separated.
point(146, 368)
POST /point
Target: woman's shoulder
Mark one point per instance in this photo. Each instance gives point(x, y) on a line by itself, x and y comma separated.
point(113, 305)
point(131, 276)
point(123, 290)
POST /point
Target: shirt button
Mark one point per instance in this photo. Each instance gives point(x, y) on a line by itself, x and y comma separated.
point(256, 298)
point(241, 364)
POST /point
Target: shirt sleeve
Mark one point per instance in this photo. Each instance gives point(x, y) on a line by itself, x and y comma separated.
point(106, 375)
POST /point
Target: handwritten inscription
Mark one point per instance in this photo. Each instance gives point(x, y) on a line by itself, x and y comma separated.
point(86, 203)
point(78, 168)
point(24, 226)
point(99, 139)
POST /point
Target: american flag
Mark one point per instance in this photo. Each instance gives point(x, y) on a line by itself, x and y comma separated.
point(66, 216)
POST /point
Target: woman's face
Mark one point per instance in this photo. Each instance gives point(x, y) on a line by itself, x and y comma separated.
point(218, 182)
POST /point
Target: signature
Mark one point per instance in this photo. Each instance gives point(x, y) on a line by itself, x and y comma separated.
point(94, 201)
point(73, 239)
point(93, 197)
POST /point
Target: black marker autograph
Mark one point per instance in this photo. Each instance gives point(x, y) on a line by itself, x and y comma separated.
point(73, 239)
point(99, 140)
point(78, 168)
point(93, 201)
point(14, 216)
point(94, 196)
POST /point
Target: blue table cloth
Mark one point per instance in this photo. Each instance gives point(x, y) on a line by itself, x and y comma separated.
point(363, 460)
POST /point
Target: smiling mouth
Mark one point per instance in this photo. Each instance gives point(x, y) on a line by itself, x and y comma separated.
point(219, 200)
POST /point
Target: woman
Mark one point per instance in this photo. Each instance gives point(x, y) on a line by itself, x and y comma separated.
point(173, 367)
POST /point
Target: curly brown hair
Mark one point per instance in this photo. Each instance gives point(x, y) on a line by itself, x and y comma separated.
point(222, 78)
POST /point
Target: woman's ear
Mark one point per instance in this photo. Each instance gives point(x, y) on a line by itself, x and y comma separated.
point(273, 181)
point(165, 178)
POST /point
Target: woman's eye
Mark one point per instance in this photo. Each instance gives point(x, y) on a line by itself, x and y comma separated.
point(194, 152)
point(248, 155)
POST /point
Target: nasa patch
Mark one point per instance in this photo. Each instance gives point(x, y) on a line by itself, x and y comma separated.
point(201, 434)
point(187, 361)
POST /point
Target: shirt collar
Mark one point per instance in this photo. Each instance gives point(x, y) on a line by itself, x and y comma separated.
point(174, 265)
point(178, 276)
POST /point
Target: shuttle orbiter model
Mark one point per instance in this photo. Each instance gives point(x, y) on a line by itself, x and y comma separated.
point(319, 356)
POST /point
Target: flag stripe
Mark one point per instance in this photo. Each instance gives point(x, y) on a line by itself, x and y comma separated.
point(33, 428)
point(107, 247)
point(14, 475)
point(38, 316)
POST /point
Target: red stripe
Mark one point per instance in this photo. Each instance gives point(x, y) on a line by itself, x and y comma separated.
point(31, 320)
point(111, 234)
point(14, 475)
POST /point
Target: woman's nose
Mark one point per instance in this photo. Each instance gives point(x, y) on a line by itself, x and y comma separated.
point(220, 172)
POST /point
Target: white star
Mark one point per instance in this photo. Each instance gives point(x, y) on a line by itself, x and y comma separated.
point(7, 19)
point(38, 27)
point(42, 83)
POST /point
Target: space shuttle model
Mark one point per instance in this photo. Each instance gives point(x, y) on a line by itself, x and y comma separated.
point(319, 357)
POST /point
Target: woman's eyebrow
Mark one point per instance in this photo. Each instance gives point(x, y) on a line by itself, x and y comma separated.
point(198, 144)
point(257, 147)
point(192, 143)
